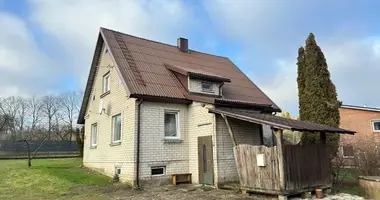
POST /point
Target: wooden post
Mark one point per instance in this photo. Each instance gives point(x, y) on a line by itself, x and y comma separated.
point(322, 136)
point(229, 129)
point(280, 157)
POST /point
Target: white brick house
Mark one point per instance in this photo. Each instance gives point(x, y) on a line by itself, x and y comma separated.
point(146, 111)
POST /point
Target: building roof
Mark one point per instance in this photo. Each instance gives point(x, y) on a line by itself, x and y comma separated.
point(278, 122)
point(142, 65)
point(365, 108)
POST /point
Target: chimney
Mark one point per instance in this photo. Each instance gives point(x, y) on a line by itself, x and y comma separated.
point(183, 44)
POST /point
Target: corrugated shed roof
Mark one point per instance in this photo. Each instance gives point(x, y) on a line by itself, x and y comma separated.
point(278, 122)
point(141, 63)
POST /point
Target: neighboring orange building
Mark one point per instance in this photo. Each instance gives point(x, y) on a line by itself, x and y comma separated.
point(364, 120)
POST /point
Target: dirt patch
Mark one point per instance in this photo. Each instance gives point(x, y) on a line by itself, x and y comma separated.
point(185, 192)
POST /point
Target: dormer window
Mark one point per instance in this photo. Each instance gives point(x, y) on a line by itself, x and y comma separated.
point(207, 87)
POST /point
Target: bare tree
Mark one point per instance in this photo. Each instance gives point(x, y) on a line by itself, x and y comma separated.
point(9, 107)
point(70, 104)
point(35, 111)
point(49, 108)
point(21, 114)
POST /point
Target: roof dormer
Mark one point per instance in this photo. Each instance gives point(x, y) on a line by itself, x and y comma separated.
point(199, 82)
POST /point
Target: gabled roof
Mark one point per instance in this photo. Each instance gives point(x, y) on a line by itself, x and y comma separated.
point(361, 108)
point(142, 65)
point(278, 122)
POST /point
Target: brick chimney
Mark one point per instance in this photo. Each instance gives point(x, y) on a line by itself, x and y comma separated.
point(183, 44)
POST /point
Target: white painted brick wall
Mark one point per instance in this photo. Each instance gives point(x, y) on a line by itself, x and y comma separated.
point(245, 133)
point(195, 85)
point(154, 150)
point(104, 157)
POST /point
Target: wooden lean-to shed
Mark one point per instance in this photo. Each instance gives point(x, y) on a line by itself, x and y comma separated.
point(282, 169)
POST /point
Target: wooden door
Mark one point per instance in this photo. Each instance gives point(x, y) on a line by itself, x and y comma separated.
point(205, 160)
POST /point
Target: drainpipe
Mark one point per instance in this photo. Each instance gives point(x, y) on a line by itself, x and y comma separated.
point(220, 89)
point(138, 145)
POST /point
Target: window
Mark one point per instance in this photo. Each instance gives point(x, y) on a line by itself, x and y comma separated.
point(116, 128)
point(158, 171)
point(118, 170)
point(376, 126)
point(207, 87)
point(171, 125)
point(106, 82)
point(94, 132)
point(348, 151)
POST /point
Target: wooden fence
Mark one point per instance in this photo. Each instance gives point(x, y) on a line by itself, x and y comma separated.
point(306, 166)
point(253, 177)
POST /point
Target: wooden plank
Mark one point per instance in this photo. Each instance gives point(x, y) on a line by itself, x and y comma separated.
point(280, 158)
point(229, 129)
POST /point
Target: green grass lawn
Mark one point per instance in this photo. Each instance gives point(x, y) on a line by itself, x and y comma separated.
point(50, 179)
point(350, 183)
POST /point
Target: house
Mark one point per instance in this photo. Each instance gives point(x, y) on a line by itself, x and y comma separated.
point(153, 110)
point(365, 121)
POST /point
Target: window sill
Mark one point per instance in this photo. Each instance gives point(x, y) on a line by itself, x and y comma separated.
point(93, 147)
point(348, 156)
point(105, 94)
point(115, 144)
point(166, 140)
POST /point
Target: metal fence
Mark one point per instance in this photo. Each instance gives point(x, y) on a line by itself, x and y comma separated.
point(10, 149)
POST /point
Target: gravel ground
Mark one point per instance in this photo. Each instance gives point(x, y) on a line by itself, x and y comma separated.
point(341, 196)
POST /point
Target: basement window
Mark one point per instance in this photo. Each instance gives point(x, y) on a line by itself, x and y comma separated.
point(376, 126)
point(156, 171)
point(207, 87)
point(117, 171)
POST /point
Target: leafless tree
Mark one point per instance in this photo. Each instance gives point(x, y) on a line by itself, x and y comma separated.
point(35, 111)
point(9, 107)
point(21, 114)
point(49, 108)
point(70, 104)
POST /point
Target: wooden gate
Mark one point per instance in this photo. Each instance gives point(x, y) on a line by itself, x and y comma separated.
point(253, 177)
point(306, 166)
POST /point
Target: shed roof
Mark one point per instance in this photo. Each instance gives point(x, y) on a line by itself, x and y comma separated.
point(278, 122)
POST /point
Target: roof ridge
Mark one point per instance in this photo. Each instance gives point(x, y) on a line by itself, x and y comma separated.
point(149, 40)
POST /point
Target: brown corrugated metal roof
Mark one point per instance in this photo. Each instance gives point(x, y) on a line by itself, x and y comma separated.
point(278, 122)
point(141, 63)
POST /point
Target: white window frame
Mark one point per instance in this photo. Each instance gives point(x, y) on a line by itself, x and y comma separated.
point(207, 91)
point(176, 113)
point(113, 128)
point(106, 82)
point(92, 134)
point(158, 167)
point(373, 125)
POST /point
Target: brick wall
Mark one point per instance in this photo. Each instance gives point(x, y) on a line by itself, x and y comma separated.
point(104, 157)
point(359, 121)
point(195, 85)
point(154, 149)
point(245, 133)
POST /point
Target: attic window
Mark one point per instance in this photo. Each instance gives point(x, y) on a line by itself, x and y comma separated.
point(106, 82)
point(207, 87)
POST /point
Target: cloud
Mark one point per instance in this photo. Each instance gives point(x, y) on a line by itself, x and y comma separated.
point(22, 64)
point(354, 69)
point(270, 33)
point(75, 24)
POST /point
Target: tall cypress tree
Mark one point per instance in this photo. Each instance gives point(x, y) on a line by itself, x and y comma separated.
point(317, 94)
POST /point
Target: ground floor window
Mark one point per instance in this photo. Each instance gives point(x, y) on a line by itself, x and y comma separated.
point(348, 151)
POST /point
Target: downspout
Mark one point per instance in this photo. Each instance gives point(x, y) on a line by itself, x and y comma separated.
point(138, 145)
point(220, 89)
